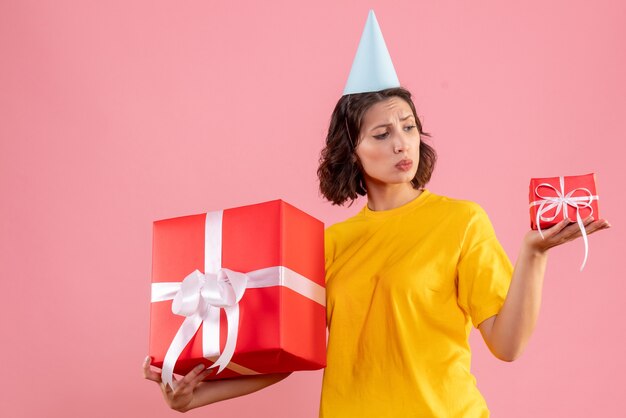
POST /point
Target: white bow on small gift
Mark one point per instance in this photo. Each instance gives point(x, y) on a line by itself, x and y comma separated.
point(559, 203)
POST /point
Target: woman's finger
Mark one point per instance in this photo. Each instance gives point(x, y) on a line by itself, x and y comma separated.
point(148, 373)
point(191, 376)
point(200, 377)
point(590, 228)
point(554, 230)
point(573, 230)
point(570, 229)
point(168, 390)
point(599, 226)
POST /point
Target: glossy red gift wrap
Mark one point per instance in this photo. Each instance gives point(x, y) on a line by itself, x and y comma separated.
point(279, 330)
point(555, 198)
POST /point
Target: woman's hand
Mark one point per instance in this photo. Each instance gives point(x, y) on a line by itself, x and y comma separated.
point(178, 398)
point(191, 392)
point(561, 233)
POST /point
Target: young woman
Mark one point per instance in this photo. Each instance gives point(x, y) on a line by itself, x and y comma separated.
point(406, 278)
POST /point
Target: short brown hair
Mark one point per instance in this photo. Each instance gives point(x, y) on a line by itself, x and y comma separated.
point(339, 172)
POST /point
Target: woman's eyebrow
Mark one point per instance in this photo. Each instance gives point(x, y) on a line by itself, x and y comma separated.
point(402, 119)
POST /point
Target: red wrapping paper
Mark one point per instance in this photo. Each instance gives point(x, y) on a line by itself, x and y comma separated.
point(581, 190)
point(279, 330)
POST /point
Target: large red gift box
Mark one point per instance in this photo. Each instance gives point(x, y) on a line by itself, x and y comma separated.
point(554, 198)
point(281, 327)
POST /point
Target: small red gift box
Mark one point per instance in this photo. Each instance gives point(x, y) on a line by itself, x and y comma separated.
point(240, 289)
point(555, 198)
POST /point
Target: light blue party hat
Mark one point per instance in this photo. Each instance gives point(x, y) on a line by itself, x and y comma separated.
point(372, 69)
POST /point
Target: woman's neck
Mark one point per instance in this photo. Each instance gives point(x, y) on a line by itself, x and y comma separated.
point(390, 196)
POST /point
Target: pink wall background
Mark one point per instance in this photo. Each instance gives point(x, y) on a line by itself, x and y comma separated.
point(114, 114)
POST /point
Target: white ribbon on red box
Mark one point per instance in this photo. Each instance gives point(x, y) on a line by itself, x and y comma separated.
point(560, 202)
point(199, 297)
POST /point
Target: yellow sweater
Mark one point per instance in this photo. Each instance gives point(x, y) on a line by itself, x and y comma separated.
point(403, 289)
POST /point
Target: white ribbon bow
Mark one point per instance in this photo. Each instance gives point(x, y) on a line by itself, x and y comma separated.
point(560, 202)
point(199, 298)
point(201, 295)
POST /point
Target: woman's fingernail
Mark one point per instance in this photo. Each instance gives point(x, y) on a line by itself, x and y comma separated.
point(199, 367)
point(147, 359)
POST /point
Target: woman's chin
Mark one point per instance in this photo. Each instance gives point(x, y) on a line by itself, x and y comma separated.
point(394, 179)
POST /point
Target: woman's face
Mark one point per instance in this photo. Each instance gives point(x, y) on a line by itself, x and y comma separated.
point(389, 143)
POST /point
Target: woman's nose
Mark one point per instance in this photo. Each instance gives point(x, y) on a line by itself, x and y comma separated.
point(400, 143)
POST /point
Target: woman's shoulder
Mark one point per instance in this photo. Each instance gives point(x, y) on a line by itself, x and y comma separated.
point(450, 205)
point(346, 224)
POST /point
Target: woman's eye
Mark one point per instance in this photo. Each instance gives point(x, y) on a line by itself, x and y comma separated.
point(382, 136)
point(408, 128)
